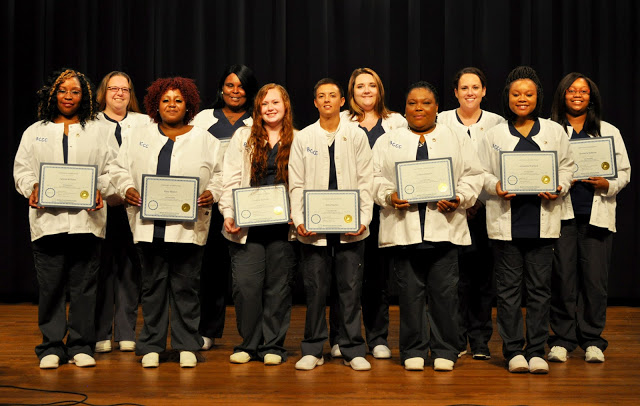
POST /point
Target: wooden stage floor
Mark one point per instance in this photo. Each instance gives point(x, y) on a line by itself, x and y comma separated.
point(119, 377)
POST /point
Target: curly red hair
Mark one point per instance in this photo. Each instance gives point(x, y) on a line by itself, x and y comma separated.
point(158, 88)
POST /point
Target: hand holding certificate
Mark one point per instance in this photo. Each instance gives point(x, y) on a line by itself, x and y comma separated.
point(594, 157)
point(67, 186)
point(259, 206)
point(332, 211)
point(529, 172)
point(428, 180)
point(170, 198)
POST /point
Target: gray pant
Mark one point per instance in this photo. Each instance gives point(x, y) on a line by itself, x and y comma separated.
point(170, 279)
point(527, 260)
point(433, 274)
point(262, 274)
point(318, 264)
point(579, 285)
point(61, 261)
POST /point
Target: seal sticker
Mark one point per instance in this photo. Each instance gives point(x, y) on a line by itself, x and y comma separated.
point(84, 194)
point(443, 187)
point(186, 207)
point(277, 210)
point(546, 179)
point(348, 219)
point(605, 165)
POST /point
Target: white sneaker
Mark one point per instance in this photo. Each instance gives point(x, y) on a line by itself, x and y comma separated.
point(518, 364)
point(127, 346)
point(358, 364)
point(51, 361)
point(414, 364)
point(461, 353)
point(557, 354)
point(335, 351)
point(208, 343)
point(151, 360)
point(442, 364)
point(481, 356)
point(308, 362)
point(188, 359)
point(84, 360)
point(593, 354)
point(272, 359)
point(538, 365)
point(239, 357)
point(381, 352)
point(103, 346)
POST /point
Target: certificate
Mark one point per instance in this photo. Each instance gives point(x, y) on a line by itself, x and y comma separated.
point(68, 185)
point(260, 206)
point(529, 173)
point(428, 180)
point(594, 157)
point(332, 211)
point(171, 198)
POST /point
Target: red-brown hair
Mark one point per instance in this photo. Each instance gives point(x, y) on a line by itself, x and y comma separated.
point(158, 88)
point(259, 139)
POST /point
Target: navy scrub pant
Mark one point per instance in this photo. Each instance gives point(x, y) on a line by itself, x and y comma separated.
point(529, 260)
point(344, 261)
point(118, 281)
point(170, 280)
point(61, 261)
point(262, 273)
point(579, 285)
point(428, 273)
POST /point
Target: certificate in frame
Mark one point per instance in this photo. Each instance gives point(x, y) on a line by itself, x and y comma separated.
point(428, 180)
point(169, 198)
point(68, 186)
point(332, 211)
point(261, 206)
point(529, 173)
point(594, 157)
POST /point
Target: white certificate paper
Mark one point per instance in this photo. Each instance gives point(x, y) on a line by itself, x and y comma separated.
point(332, 211)
point(68, 185)
point(428, 180)
point(529, 173)
point(170, 198)
point(594, 157)
point(260, 206)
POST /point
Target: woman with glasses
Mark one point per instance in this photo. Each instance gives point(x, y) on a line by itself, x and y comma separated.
point(583, 252)
point(66, 242)
point(119, 278)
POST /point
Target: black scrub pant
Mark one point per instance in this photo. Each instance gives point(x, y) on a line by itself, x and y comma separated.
point(529, 260)
point(475, 288)
point(170, 280)
point(118, 281)
point(343, 262)
point(66, 261)
point(579, 285)
point(428, 273)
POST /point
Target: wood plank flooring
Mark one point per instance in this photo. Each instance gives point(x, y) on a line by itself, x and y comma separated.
point(119, 377)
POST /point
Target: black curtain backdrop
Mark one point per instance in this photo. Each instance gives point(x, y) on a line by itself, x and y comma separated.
point(297, 42)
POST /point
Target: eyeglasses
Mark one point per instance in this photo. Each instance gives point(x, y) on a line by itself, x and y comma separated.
point(581, 92)
point(63, 92)
point(116, 89)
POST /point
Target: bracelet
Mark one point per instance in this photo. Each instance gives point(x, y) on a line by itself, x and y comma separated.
point(387, 199)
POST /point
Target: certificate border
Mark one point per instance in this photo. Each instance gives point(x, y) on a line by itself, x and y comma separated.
point(286, 212)
point(400, 187)
point(194, 198)
point(92, 193)
point(612, 150)
point(329, 230)
point(553, 188)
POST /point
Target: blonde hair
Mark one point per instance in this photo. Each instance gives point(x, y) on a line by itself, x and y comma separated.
point(355, 110)
point(102, 91)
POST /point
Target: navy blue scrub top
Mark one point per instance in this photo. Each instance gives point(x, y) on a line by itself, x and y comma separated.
point(118, 132)
point(422, 153)
point(223, 129)
point(581, 193)
point(460, 121)
point(164, 168)
point(375, 132)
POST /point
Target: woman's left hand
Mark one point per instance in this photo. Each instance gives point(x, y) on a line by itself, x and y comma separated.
point(205, 199)
point(362, 228)
point(598, 182)
point(447, 206)
point(99, 202)
point(550, 196)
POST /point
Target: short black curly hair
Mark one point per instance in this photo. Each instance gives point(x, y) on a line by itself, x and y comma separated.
point(160, 86)
point(519, 73)
point(48, 101)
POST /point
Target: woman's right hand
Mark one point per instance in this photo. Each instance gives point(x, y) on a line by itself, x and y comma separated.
point(132, 197)
point(398, 203)
point(230, 226)
point(33, 199)
point(302, 231)
point(503, 193)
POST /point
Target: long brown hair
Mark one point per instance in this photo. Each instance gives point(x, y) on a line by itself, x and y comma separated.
point(102, 92)
point(259, 139)
point(355, 110)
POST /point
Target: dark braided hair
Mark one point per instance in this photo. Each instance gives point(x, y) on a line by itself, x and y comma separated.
point(519, 73)
point(48, 100)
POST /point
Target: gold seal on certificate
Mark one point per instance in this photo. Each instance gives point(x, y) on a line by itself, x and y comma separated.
point(261, 206)
point(529, 173)
point(163, 198)
point(68, 186)
point(594, 157)
point(332, 211)
point(428, 180)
